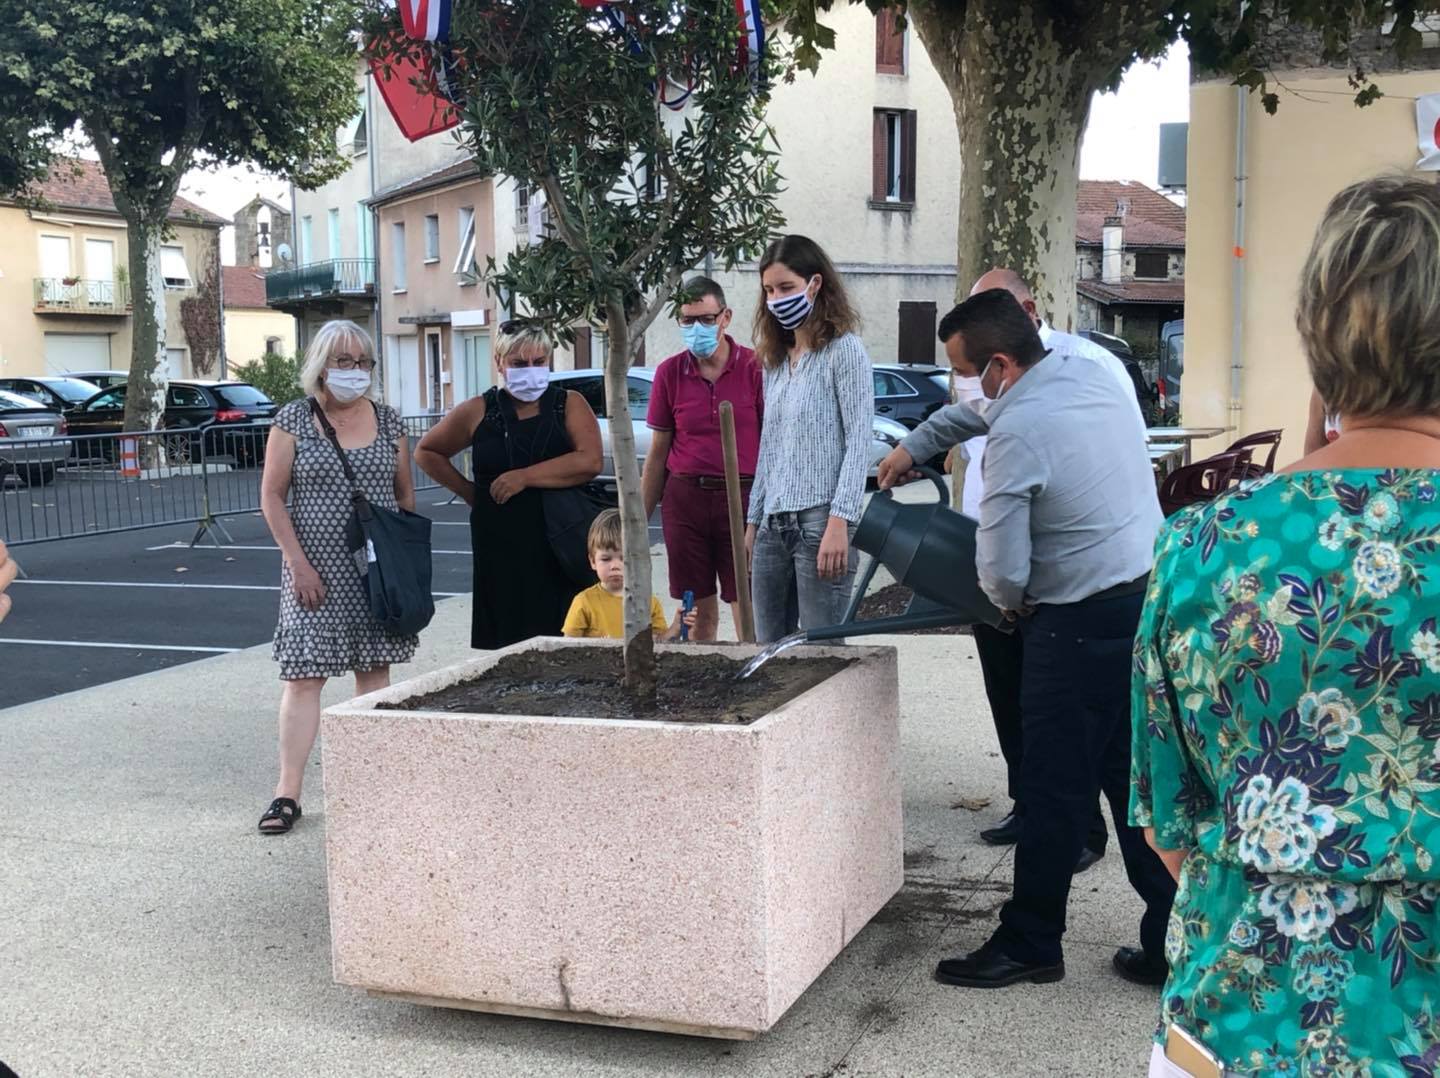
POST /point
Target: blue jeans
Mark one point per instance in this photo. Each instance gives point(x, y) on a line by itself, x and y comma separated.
point(785, 586)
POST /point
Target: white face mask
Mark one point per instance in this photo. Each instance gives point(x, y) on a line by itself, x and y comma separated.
point(347, 386)
point(998, 393)
point(527, 383)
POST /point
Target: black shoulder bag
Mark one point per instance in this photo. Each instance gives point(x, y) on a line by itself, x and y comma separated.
point(393, 549)
point(569, 511)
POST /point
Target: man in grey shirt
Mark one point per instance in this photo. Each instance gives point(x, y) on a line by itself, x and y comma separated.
point(1068, 523)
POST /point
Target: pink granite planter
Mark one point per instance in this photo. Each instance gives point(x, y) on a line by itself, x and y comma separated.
point(664, 876)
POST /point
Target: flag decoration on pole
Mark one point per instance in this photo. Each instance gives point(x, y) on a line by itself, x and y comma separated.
point(752, 38)
point(1427, 124)
point(426, 20)
point(412, 90)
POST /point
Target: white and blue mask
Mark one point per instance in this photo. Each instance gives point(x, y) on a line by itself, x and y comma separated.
point(791, 311)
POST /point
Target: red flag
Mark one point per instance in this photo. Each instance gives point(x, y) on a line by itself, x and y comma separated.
point(419, 110)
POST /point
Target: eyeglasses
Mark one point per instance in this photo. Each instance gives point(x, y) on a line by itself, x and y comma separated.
point(702, 319)
point(350, 363)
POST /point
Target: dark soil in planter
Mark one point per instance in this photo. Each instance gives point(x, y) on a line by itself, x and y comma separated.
point(584, 682)
point(891, 601)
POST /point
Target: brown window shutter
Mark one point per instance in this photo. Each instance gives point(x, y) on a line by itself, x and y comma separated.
point(880, 153)
point(917, 332)
point(889, 44)
point(907, 156)
point(639, 360)
point(582, 348)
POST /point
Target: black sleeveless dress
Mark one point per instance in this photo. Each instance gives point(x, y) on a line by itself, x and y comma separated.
point(520, 590)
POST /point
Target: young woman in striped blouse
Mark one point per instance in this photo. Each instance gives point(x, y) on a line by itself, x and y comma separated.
point(814, 445)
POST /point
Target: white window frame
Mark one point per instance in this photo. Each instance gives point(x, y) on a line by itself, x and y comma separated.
point(174, 255)
point(332, 227)
point(305, 241)
point(397, 256)
point(432, 238)
point(465, 266)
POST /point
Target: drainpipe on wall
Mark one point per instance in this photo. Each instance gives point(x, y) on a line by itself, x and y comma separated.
point(1237, 264)
point(372, 150)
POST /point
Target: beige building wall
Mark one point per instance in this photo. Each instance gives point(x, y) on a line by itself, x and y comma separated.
point(247, 330)
point(23, 327)
point(1297, 160)
point(437, 324)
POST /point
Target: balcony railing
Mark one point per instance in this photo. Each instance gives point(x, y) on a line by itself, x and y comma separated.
point(332, 279)
point(70, 295)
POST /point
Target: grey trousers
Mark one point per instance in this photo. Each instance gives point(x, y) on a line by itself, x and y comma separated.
point(785, 586)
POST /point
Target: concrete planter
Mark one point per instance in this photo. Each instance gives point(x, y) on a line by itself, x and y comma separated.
point(686, 878)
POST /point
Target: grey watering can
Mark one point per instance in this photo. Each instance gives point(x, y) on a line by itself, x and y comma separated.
point(930, 549)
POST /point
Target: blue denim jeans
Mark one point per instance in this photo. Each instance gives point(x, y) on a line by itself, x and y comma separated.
point(785, 586)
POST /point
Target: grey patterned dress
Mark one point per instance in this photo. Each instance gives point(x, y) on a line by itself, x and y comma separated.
point(339, 636)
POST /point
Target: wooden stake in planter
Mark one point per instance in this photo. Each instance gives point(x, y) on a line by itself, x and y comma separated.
point(746, 628)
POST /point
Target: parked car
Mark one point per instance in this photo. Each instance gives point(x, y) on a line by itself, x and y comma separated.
point(103, 379)
point(57, 394)
point(1172, 368)
point(908, 394)
point(32, 439)
point(1145, 393)
point(230, 417)
point(590, 384)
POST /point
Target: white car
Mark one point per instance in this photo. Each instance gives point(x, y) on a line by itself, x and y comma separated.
point(32, 439)
point(886, 433)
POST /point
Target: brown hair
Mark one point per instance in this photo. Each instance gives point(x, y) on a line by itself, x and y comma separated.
point(605, 532)
point(832, 318)
point(1369, 310)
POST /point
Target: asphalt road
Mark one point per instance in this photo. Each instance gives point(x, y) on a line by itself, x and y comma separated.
point(99, 608)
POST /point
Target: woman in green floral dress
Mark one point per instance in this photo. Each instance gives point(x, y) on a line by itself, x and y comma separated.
point(1287, 693)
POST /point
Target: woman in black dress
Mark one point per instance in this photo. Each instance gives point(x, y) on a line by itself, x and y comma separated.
point(526, 437)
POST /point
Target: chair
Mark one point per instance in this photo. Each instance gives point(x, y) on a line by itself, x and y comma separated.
point(1253, 443)
point(1201, 481)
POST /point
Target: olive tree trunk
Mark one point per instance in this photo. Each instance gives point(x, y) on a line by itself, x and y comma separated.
point(1021, 98)
point(639, 642)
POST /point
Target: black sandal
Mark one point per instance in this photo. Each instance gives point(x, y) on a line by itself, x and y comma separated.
point(283, 809)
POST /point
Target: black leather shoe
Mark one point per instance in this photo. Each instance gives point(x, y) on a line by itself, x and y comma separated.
point(992, 969)
point(1006, 834)
point(1088, 859)
point(1131, 963)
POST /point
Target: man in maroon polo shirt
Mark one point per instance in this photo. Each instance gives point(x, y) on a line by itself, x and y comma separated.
point(686, 463)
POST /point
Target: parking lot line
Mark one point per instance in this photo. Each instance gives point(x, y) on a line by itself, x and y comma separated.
point(196, 587)
point(124, 647)
point(240, 546)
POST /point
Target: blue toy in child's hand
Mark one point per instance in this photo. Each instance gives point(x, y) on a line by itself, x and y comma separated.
point(687, 604)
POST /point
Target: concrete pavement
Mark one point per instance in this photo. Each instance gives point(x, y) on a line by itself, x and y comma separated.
point(148, 930)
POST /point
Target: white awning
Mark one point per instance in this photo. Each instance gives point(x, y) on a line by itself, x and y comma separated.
point(173, 267)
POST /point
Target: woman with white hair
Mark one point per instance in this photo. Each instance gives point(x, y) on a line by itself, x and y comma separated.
point(326, 629)
point(528, 437)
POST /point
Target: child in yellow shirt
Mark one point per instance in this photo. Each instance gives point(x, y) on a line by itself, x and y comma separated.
point(599, 610)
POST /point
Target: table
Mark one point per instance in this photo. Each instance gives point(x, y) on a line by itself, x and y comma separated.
point(1165, 458)
point(1186, 436)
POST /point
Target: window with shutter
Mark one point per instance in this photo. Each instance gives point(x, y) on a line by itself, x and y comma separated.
point(880, 157)
point(917, 332)
point(1154, 265)
point(582, 348)
point(893, 165)
point(889, 43)
point(907, 156)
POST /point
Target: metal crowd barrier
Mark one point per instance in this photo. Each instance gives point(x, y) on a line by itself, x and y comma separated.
point(98, 484)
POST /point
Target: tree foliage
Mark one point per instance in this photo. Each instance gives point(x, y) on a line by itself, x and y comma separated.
point(157, 87)
point(277, 376)
point(559, 98)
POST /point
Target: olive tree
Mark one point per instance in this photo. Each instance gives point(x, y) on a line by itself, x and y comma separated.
point(564, 100)
point(157, 87)
point(1022, 73)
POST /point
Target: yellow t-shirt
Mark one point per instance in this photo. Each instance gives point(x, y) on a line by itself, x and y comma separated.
point(595, 612)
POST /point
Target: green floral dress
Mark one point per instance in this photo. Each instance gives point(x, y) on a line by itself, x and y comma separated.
point(1287, 732)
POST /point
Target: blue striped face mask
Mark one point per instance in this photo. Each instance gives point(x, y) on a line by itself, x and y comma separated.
point(791, 311)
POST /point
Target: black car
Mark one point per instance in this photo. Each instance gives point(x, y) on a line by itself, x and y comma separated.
point(908, 394)
point(57, 394)
point(229, 416)
point(1119, 347)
